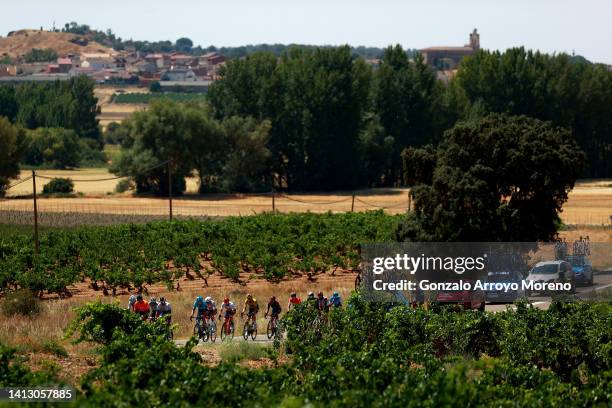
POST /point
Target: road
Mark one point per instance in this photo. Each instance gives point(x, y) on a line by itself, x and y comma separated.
point(261, 339)
point(601, 281)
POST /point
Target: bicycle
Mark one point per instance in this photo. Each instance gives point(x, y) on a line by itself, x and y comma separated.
point(250, 328)
point(272, 328)
point(228, 328)
point(198, 333)
point(210, 332)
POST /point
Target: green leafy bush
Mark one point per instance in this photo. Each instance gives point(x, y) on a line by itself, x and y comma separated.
point(59, 186)
point(124, 185)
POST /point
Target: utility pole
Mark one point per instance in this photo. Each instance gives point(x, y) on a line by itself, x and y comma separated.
point(170, 189)
point(273, 200)
point(353, 203)
point(409, 200)
point(36, 243)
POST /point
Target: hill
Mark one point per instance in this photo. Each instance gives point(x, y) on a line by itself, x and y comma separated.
point(19, 43)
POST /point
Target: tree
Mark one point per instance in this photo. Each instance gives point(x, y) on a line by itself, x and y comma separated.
point(566, 90)
point(54, 147)
point(316, 101)
point(246, 167)
point(11, 149)
point(409, 102)
point(184, 45)
point(159, 134)
point(500, 178)
point(8, 104)
point(68, 104)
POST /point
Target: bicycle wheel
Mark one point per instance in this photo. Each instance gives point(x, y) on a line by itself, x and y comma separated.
point(196, 331)
point(212, 332)
point(245, 330)
point(253, 332)
point(270, 329)
point(224, 332)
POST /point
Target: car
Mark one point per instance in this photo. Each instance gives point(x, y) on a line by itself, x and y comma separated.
point(582, 267)
point(502, 296)
point(468, 299)
point(553, 272)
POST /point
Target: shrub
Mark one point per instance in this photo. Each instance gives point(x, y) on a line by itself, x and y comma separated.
point(21, 302)
point(59, 185)
point(124, 185)
point(54, 147)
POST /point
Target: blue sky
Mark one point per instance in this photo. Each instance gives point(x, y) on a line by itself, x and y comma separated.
point(549, 25)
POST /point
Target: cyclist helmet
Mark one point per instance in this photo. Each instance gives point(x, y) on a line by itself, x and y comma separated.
point(320, 294)
point(132, 299)
point(226, 300)
point(139, 297)
point(208, 299)
point(293, 294)
point(152, 300)
point(162, 299)
point(336, 294)
point(310, 294)
point(273, 299)
point(199, 299)
point(249, 296)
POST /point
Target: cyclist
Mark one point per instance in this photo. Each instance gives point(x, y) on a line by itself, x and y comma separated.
point(152, 308)
point(164, 309)
point(321, 302)
point(211, 308)
point(131, 302)
point(228, 309)
point(200, 305)
point(293, 301)
point(335, 300)
point(311, 299)
point(276, 308)
point(251, 307)
point(141, 307)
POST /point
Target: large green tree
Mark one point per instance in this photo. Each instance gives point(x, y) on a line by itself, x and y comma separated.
point(409, 101)
point(316, 101)
point(499, 178)
point(67, 104)
point(54, 147)
point(158, 135)
point(566, 90)
point(11, 149)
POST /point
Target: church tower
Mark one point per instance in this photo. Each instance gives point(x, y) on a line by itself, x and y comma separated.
point(475, 40)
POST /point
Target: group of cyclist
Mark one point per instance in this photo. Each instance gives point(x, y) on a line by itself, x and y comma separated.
point(206, 308)
point(151, 310)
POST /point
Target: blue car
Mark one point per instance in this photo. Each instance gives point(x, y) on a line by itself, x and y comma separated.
point(582, 267)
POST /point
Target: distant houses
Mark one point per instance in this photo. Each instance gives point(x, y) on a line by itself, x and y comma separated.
point(175, 71)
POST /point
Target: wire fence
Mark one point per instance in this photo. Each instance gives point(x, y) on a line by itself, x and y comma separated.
point(25, 205)
point(83, 208)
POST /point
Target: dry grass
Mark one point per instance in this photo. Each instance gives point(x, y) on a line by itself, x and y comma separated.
point(22, 42)
point(588, 204)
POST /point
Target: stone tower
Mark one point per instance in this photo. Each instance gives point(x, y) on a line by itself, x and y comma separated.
point(475, 40)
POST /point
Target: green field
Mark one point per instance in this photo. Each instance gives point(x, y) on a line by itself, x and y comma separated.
point(145, 98)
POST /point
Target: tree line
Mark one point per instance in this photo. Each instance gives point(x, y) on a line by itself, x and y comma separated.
point(49, 124)
point(331, 122)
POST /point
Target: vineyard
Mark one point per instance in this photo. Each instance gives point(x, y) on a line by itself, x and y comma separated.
point(367, 355)
point(134, 256)
point(146, 98)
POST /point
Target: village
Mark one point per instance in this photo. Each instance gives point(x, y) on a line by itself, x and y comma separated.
point(106, 66)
